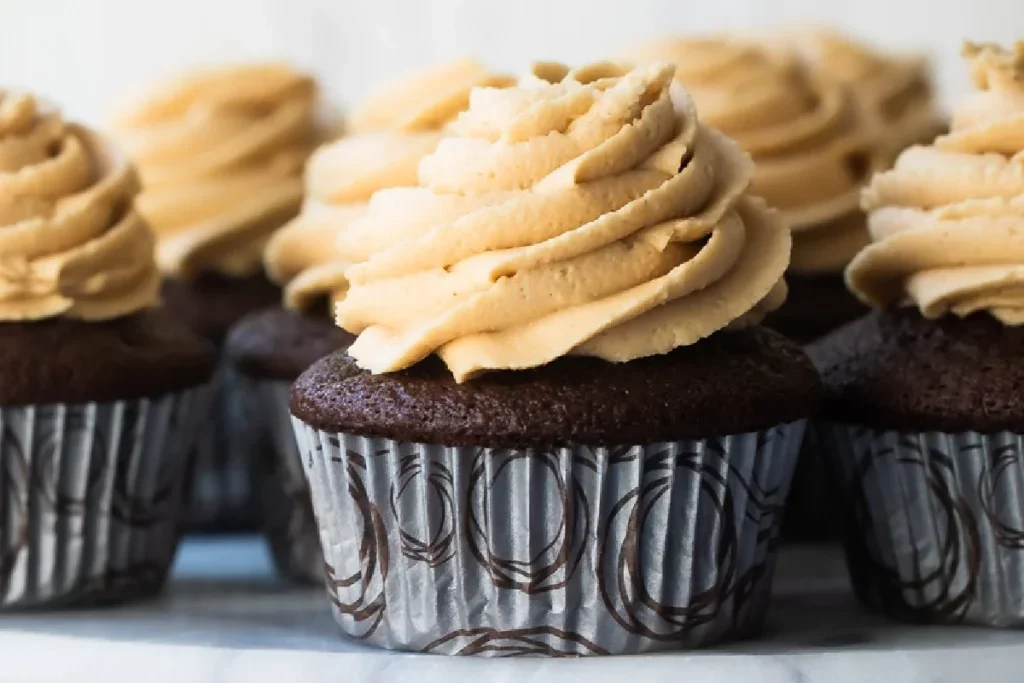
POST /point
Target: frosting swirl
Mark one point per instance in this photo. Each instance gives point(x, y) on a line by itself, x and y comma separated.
point(894, 90)
point(584, 212)
point(392, 131)
point(221, 155)
point(811, 146)
point(948, 220)
point(71, 242)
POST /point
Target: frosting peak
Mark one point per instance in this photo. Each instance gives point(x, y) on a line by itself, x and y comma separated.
point(221, 155)
point(810, 143)
point(583, 212)
point(71, 243)
point(392, 131)
point(948, 220)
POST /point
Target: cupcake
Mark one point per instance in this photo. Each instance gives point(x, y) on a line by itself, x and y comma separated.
point(924, 420)
point(396, 128)
point(98, 393)
point(221, 154)
point(560, 430)
point(895, 91)
point(813, 149)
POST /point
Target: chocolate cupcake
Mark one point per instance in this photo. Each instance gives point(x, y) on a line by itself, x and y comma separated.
point(560, 430)
point(390, 134)
point(98, 395)
point(221, 154)
point(923, 424)
point(813, 150)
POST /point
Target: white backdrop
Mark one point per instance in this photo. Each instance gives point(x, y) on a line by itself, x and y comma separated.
point(87, 54)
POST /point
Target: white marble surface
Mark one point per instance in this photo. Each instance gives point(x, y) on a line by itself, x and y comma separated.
point(226, 618)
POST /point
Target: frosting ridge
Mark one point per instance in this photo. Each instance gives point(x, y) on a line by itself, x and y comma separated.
point(895, 90)
point(811, 145)
point(585, 211)
point(221, 154)
point(71, 241)
point(947, 222)
point(391, 132)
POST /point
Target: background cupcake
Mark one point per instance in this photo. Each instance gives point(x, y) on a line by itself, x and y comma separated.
point(97, 394)
point(560, 430)
point(390, 134)
point(924, 410)
point(221, 154)
point(895, 90)
point(813, 150)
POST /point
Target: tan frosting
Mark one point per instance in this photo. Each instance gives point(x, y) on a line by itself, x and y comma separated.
point(393, 130)
point(948, 220)
point(71, 242)
point(895, 90)
point(585, 212)
point(221, 156)
point(810, 144)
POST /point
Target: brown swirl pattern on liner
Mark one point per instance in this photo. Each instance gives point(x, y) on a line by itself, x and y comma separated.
point(46, 464)
point(959, 551)
point(112, 524)
point(621, 573)
point(440, 546)
point(511, 621)
point(15, 482)
point(552, 565)
point(1004, 462)
point(359, 594)
point(543, 641)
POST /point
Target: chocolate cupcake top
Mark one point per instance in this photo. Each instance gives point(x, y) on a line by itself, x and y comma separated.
point(71, 242)
point(584, 212)
point(947, 222)
point(393, 130)
point(895, 90)
point(810, 142)
point(221, 155)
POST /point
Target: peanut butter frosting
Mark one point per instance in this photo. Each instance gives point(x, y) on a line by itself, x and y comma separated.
point(947, 223)
point(71, 242)
point(810, 143)
point(583, 212)
point(221, 155)
point(391, 132)
point(895, 90)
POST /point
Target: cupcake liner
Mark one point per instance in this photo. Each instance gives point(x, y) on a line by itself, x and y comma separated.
point(221, 496)
point(280, 484)
point(936, 522)
point(572, 551)
point(90, 498)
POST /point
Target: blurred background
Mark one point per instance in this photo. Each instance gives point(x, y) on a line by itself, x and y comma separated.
point(89, 54)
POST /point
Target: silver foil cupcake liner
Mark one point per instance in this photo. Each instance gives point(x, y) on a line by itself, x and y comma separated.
point(572, 551)
point(90, 498)
point(221, 495)
point(280, 484)
point(935, 528)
